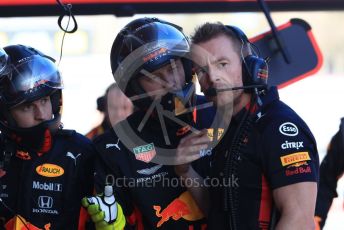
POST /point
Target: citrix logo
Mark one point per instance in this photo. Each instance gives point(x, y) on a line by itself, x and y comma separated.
point(292, 145)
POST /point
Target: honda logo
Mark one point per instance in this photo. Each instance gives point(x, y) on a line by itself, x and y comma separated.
point(45, 202)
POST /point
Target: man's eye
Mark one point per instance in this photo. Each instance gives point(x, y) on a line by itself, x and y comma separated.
point(222, 64)
point(200, 71)
point(26, 107)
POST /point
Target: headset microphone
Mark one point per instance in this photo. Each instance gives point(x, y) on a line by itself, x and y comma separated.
point(211, 92)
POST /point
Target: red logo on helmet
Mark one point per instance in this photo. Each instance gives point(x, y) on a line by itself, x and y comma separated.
point(40, 82)
point(23, 155)
point(154, 54)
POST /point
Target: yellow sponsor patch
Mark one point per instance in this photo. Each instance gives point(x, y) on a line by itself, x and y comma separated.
point(294, 158)
point(49, 170)
point(211, 133)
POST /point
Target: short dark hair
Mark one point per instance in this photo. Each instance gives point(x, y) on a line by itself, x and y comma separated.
point(102, 100)
point(210, 30)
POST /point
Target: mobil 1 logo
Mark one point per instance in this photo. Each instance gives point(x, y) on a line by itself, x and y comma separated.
point(55, 187)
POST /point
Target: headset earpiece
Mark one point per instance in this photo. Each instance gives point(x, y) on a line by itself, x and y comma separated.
point(255, 71)
point(254, 68)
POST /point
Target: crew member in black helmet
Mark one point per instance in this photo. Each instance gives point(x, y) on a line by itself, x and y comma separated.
point(149, 60)
point(45, 170)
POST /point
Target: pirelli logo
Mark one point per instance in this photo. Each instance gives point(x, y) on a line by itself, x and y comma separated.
point(294, 158)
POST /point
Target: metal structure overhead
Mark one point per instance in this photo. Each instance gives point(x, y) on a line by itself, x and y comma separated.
point(22, 8)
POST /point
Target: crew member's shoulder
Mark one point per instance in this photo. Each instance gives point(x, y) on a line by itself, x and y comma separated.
point(278, 113)
point(74, 141)
point(70, 135)
point(107, 136)
point(281, 120)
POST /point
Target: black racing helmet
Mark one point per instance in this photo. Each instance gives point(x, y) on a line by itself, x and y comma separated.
point(29, 76)
point(4, 62)
point(149, 44)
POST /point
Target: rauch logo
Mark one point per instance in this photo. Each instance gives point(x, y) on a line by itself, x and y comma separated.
point(49, 170)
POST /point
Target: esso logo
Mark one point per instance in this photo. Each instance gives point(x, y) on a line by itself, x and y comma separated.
point(289, 129)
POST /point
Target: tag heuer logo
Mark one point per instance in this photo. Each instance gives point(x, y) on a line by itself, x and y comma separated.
point(145, 152)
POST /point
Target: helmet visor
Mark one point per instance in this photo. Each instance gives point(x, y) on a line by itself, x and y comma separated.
point(166, 40)
point(164, 34)
point(3, 62)
point(149, 48)
point(34, 77)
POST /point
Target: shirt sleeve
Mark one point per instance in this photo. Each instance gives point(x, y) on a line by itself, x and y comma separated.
point(289, 153)
point(331, 169)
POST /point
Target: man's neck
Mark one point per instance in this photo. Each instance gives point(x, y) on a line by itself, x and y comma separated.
point(241, 102)
point(238, 105)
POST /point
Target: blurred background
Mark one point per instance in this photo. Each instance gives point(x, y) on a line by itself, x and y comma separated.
point(85, 66)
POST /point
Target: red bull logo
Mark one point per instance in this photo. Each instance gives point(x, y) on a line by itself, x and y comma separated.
point(2, 173)
point(19, 223)
point(182, 131)
point(182, 207)
point(298, 164)
point(23, 155)
point(40, 82)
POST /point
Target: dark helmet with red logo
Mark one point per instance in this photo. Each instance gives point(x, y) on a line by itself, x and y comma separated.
point(29, 76)
point(4, 62)
point(147, 44)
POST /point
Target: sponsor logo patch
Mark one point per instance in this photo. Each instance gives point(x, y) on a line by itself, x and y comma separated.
point(49, 170)
point(110, 145)
point(292, 145)
point(298, 164)
point(289, 129)
point(2, 173)
point(155, 54)
point(23, 155)
point(211, 133)
point(45, 204)
point(145, 153)
point(294, 158)
point(298, 170)
point(149, 171)
point(47, 186)
point(182, 207)
point(72, 156)
point(205, 152)
point(183, 130)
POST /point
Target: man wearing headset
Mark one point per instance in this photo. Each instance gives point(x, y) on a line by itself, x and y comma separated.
point(267, 161)
point(149, 60)
point(45, 170)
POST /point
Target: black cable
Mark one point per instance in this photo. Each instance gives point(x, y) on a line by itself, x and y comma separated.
point(67, 10)
point(4, 162)
point(62, 42)
point(233, 159)
point(255, 49)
